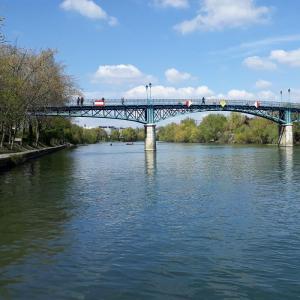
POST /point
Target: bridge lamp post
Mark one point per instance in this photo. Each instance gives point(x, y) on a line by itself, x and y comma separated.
point(147, 93)
point(281, 96)
point(289, 91)
point(150, 85)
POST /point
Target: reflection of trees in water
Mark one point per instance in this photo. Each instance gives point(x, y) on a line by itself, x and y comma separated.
point(260, 166)
point(33, 208)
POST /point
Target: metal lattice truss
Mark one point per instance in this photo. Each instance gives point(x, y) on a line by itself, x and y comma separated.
point(274, 115)
point(134, 114)
point(144, 114)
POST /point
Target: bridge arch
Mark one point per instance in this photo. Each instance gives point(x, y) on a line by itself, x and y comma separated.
point(161, 116)
point(97, 117)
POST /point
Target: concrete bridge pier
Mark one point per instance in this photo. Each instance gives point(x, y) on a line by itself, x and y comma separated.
point(286, 135)
point(286, 130)
point(150, 137)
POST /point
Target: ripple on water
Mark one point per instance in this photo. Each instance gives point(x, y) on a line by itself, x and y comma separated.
point(190, 222)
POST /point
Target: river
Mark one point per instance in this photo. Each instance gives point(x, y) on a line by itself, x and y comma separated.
point(191, 222)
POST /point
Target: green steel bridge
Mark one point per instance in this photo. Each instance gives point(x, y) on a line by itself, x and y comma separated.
point(149, 112)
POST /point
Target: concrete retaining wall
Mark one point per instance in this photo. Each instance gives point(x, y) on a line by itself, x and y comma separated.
point(10, 160)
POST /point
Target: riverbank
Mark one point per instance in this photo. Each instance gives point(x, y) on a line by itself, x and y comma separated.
point(11, 160)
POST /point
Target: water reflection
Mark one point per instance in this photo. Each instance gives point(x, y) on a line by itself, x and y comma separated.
point(33, 210)
point(150, 162)
point(117, 223)
point(286, 155)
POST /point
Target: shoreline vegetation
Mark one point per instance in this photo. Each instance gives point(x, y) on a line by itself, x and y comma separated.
point(233, 129)
point(236, 128)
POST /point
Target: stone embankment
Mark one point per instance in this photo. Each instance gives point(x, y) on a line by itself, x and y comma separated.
point(10, 160)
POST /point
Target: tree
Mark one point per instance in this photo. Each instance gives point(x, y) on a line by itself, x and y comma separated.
point(236, 128)
point(129, 135)
point(235, 121)
point(296, 130)
point(115, 135)
point(212, 128)
point(29, 82)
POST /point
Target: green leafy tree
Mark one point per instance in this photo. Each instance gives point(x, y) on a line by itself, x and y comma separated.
point(129, 135)
point(212, 128)
point(115, 135)
point(296, 129)
point(236, 128)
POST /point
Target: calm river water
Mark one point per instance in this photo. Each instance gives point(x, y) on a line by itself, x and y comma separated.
point(193, 222)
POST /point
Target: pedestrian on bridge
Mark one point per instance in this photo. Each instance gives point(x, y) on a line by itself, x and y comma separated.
point(78, 101)
point(203, 100)
point(81, 101)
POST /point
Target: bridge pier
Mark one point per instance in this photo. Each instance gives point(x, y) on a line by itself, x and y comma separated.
point(150, 137)
point(286, 135)
point(286, 130)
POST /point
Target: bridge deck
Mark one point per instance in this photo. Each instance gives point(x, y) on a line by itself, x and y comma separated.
point(174, 102)
point(154, 110)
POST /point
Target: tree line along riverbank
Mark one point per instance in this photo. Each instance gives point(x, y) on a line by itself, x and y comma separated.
point(235, 128)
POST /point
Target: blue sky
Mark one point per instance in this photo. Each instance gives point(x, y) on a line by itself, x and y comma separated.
point(187, 48)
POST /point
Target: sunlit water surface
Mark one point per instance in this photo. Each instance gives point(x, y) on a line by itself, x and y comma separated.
point(114, 222)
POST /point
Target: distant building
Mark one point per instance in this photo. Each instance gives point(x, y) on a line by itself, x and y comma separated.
point(109, 129)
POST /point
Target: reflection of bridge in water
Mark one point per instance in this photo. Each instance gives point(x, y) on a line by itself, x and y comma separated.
point(149, 112)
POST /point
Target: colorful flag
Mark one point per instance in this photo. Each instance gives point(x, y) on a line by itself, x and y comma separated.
point(99, 102)
point(222, 103)
point(257, 104)
point(188, 103)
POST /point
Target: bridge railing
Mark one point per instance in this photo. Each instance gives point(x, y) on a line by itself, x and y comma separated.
point(217, 102)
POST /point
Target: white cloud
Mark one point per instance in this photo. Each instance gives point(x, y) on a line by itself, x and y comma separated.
point(259, 63)
point(240, 95)
point(236, 94)
point(89, 9)
point(120, 74)
point(160, 91)
point(291, 58)
point(219, 14)
point(169, 92)
point(295, 95)
point(174, 76)
point(267, 95)
point(263, 84)
point(249, 48)
point(172, 3)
